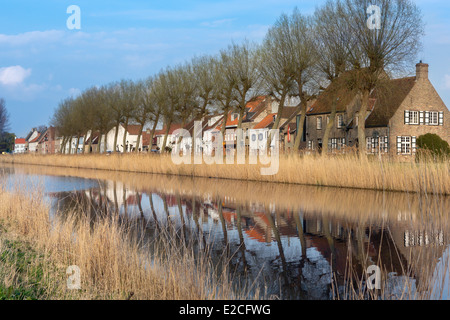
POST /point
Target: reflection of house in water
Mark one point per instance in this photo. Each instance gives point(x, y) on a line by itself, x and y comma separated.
point(298, 252)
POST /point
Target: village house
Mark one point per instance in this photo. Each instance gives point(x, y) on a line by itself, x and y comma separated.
point(398, 113)
point(20, 146)
point(132, 134)
point(32, 139)
point(46, 141)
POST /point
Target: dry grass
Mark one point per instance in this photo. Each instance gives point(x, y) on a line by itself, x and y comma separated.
point(111, 256)
point(347, 171)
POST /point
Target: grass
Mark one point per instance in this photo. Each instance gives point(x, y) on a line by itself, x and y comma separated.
point(343, 171)
point(36, 251)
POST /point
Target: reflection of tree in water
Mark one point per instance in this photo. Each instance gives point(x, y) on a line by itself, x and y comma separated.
point(291, 253)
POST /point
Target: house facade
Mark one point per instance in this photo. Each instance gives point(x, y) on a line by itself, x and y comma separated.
point(20, 146)
point(399, 112)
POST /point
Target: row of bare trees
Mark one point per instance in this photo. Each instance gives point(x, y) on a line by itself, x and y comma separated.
point(299, 56)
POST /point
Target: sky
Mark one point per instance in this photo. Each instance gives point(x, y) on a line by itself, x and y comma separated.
point(42, 61)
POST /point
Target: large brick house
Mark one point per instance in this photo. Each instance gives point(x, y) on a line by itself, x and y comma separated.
point(398, 113)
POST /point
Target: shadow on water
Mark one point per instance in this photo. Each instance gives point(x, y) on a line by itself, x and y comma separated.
point(289, 242)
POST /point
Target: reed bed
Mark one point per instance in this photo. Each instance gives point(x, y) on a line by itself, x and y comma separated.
point(111, 256)
point(343, 171)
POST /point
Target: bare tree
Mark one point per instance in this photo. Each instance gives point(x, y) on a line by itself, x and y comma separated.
point(332, 60)
point(224, 89)
point(305, 57)
point(390, 47)
point(246, 75)
point(4, 117)
point(276, 62)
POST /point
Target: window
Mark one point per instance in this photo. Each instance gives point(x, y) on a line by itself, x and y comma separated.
point(340, 121)
point(253, 137)
point(406, 145)
point(377, 144)
point(310, 145)
point(260, 137)
point(434, 118)
point(336, 143)
point(319, 123)
point(414, 117)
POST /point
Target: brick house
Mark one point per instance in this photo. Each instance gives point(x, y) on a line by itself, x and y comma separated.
point(399, 112)
point(46, 141)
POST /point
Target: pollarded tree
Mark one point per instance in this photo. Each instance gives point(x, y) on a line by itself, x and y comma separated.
point(204, 75)
point(244, 70)
point(385, 38)
point(4, 117)
point(276, 62)
point(332, 60)
point(305, 59)
point(130, 101)
point(225, 98)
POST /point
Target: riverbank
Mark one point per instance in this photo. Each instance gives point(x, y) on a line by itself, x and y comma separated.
point(343, 171)
point(36, 251)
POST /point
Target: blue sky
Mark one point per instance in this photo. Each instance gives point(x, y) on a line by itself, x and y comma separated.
point(43, 62)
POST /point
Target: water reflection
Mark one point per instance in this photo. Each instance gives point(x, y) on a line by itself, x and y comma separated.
point(298, 242)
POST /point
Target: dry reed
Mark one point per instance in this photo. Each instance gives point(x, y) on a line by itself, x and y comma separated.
point(347, 170)
point(112, 260)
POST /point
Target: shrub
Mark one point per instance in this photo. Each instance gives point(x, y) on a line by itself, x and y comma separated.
point(431, 145)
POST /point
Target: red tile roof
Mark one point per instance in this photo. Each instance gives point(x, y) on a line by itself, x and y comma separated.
point(173, 127)
point(266, 122)
point(20, 141)
point(134, 129)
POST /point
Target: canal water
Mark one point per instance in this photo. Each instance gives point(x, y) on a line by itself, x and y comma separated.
point(288, 242)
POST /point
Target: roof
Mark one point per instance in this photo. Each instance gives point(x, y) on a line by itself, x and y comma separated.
point(173, 127)
point(20, 141)
point(387, 99)
point(37, 138)
point(341, 88)
point(253, 108)
point(266, 122)
point(134, 129)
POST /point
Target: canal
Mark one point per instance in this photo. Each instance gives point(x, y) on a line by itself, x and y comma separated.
point(286, 241)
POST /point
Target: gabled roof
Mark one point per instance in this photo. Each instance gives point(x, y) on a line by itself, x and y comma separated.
point(37, 138)
point(134, 129)
point(342, 89)
point(266, 122)
point(173, 127)
point(252, 109)
point(20, 141)
point(387, 99)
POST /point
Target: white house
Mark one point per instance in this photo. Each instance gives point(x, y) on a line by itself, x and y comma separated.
point(20, 146)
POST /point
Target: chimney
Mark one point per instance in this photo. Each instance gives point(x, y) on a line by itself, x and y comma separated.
point(421, 71)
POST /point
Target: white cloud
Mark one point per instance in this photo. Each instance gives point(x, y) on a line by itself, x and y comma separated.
point(13, 75)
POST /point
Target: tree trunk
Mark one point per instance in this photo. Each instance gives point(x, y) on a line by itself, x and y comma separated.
point(78, 143)
point(139, 138)
point(84, 142)
point(90, 140)
point(116, 135)
point(62, 148)
point(152, 135)
point(328, 128)
point(166, 136)
point(125, 147)
point(276, 124)
point(299, 136)
point(362, 123)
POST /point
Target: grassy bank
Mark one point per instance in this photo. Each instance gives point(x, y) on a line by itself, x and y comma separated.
point(36, 252)
point(347, 171)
